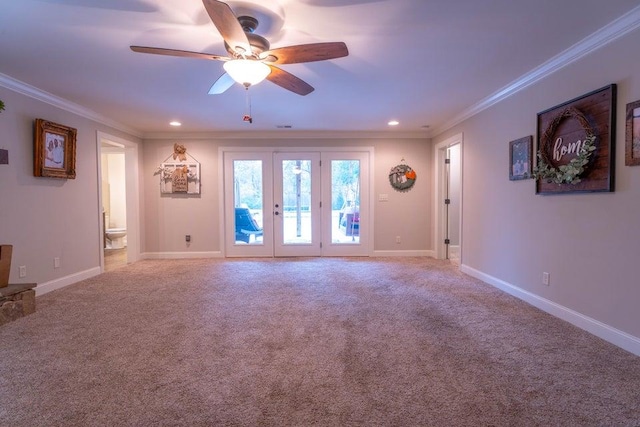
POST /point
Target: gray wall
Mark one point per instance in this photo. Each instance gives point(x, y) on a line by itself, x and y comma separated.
point(45, 218)
point(589, 243)
point(169, 218)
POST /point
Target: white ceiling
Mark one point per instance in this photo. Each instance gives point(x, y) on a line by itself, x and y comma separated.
point(422, 62)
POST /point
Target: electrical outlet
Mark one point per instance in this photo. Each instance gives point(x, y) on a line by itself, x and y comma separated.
point(187, 238)
point(398, 240)
point(56, 262)
point(23, 271)
point(545, 278)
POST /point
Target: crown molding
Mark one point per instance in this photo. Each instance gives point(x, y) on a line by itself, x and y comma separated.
point(628, 22)
point(283, 135)
point(48, 98)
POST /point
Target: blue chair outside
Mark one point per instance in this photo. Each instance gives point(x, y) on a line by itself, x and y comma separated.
point(246, 226)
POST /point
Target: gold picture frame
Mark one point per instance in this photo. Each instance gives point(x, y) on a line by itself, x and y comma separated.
point(54, 150)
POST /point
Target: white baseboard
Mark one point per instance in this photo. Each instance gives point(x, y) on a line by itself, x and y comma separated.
point(180, 255)
point(614, 336)
point(46, 287)
point(404, 253)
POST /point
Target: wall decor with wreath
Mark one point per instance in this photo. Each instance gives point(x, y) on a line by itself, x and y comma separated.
point(402, 177)
point(576, 145)
point(179, 173)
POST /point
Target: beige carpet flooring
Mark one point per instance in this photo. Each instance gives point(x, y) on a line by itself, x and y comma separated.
point(305, 342)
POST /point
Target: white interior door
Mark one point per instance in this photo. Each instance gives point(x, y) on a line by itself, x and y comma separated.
point(449, 185)
point(453, 207)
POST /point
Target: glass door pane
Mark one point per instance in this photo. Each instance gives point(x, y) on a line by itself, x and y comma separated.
point(296, 209)
point(345, 201)
point(248, 217)
point(296, 201)
point(345, 186)
point(248, 201)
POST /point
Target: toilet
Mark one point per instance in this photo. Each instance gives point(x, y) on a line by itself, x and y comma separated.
point(116, 237)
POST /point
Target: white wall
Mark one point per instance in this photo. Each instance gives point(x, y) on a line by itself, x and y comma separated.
point(589, 243)
point(169, 217)
point(115, 173)
point(44, 218)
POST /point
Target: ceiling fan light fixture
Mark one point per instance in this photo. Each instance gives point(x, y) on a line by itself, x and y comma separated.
point(247, 71)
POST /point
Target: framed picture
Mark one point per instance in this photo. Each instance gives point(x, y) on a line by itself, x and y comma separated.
point(520, 152)
point(54, 150)
point(183, 177)
point(589, 122)
point(632, 140)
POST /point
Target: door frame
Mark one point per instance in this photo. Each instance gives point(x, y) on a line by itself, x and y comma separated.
point(132, 188)
point(440, 214)
point(321, 149)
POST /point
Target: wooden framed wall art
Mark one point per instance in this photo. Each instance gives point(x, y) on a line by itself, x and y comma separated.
point(180, 175)
point(54, 150)
point(632, 137)
point(576, 145)
point(520, 152)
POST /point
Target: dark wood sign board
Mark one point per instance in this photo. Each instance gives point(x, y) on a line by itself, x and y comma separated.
point(599, 108)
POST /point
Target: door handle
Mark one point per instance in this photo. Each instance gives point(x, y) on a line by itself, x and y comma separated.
point(276, 213)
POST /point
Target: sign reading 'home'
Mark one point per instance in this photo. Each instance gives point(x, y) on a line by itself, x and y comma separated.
point(562, 132)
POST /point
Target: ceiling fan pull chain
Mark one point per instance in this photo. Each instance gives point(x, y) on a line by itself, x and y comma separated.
point(247, 117)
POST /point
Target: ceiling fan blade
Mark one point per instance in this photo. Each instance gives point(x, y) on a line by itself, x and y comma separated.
point(289, 81)
point(228, 26)
point(175, 52)
point(221, 85)
point(305, 53)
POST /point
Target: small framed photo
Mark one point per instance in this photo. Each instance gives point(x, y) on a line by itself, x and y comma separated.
point(54, 150)
point(632, 139)
point(520, 152)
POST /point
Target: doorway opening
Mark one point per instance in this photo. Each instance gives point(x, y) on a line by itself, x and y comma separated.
point(448, 215)
point(118, 206)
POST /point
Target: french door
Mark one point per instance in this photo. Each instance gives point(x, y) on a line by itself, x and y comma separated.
point(296, 194)
point(302, 203)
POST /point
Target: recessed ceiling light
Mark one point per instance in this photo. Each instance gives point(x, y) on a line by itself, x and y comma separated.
point(175, 123)
point(393, 123)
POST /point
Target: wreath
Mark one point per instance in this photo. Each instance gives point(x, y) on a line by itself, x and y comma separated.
point(402, 177)
point(571, 172)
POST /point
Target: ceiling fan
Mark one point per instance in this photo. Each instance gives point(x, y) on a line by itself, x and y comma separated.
point(251, 58)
